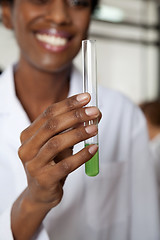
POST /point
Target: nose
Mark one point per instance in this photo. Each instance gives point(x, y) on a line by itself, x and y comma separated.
point(58, 12)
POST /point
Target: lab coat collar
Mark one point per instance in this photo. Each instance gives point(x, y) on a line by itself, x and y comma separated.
point(7, 91)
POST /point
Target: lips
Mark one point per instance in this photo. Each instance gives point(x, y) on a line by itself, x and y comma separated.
point(53, 40)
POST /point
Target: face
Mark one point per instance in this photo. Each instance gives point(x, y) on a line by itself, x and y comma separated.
point(49, 32)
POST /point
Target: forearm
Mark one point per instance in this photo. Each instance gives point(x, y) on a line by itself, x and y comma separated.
point(26, 217)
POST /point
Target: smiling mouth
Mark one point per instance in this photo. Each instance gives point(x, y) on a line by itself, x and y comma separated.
point(52, 40)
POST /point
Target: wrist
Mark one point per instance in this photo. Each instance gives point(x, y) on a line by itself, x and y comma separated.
point(31, 205)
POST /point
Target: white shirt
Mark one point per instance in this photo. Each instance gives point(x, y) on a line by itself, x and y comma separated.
point(121, 203)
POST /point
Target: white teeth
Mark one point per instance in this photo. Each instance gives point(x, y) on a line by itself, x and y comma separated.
point(52, 40)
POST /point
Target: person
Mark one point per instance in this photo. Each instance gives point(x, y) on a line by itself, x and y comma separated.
point(151, 110)
point(45, 193)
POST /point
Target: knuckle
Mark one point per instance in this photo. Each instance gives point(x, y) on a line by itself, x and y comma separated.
point(65, 167)
point(51, 124)
point(23, 135)
point(21, 153)
point(49, 112)
point(78, 115)
point(71, 103)
point(53, 144)
point(26, 154)
point(80, 134)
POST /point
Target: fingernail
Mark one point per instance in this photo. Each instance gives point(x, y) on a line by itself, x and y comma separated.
point(82, 97)
point(91, 111)
point(91, 129)
point(93, 149)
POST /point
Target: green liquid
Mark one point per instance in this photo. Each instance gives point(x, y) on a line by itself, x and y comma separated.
point(92, 166)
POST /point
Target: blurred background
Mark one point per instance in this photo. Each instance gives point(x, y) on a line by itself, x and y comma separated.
point(128, 47)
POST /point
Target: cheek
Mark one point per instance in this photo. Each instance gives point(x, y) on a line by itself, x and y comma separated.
point(20, 34)
point(83, 26)
point(19, 23)
point(81, 23)
point(23, 15)
point(22, 30)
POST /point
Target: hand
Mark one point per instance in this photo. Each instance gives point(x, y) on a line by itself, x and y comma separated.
point(46, 147)
point(46, 154)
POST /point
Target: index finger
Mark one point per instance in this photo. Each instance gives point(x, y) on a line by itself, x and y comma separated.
point(53, 110)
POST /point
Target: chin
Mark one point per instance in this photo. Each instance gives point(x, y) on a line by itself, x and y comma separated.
point(53, 68)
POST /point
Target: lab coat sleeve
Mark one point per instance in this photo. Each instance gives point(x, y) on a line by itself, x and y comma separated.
point(6, 232)
point(144, 190)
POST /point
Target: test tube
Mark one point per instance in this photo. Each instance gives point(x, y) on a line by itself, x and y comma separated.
point(89, 64)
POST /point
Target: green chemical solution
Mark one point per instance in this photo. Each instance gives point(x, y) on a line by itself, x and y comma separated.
point(92, 166)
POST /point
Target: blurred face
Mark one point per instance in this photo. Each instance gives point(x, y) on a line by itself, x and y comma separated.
point(49, 32)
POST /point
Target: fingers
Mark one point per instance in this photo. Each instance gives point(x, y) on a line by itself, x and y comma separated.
point(55, 126)
point(56, 109)
point(46, 183)
point(61, 142)
point(93, 122)
point(68, 165)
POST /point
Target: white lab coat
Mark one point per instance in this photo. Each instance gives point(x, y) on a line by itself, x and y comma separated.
point(119, 204)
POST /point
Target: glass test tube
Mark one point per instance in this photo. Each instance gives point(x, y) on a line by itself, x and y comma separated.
point(90, 86)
